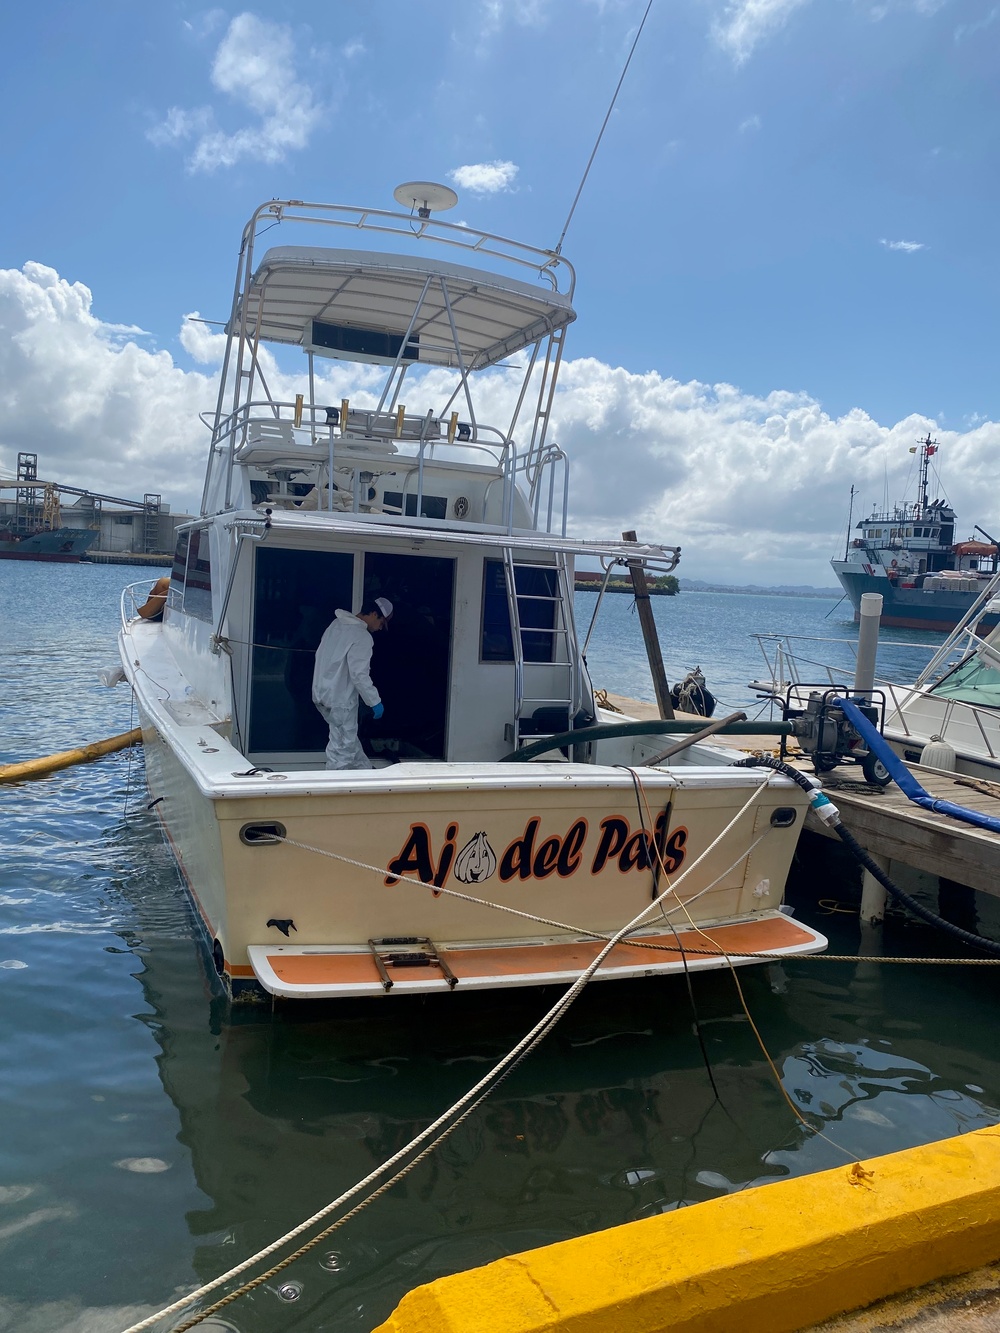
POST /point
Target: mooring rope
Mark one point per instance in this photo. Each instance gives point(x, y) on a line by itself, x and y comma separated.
point(645, 942)
point(438, 1130)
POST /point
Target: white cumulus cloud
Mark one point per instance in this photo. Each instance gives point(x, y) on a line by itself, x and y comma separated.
point(907, 247)
point(99, 410)
point(745, 23)
point(753, 487)
point(255, 68)
point(485, 177)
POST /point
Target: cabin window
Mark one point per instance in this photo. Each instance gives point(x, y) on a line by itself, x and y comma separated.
point(198, 579)
point(180, 560)
point(431, 506)
point(537, 599)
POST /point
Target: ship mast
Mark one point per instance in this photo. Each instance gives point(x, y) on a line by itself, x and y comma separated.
point(850, 517)
point(928, 448)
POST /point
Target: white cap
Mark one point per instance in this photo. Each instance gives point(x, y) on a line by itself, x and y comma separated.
point(385, 607)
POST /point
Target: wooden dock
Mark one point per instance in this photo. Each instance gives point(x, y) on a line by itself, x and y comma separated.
point(887, 824)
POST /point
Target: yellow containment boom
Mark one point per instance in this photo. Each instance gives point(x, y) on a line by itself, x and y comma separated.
point(39, 768)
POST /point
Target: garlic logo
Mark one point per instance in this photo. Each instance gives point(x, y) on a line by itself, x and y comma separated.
point(476, 861)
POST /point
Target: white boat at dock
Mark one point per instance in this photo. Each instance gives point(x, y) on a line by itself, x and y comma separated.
point(448, 863)
point(953, 700)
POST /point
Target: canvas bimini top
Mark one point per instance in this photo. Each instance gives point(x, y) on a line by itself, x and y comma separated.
point(360, 305)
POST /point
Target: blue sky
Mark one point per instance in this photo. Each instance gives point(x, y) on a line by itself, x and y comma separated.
point(785, 251)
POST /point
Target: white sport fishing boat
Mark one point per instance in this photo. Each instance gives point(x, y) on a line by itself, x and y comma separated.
point(446, 864)
point(950, 716)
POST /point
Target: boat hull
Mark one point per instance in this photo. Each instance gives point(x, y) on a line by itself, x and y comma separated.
point(61, 545)
point(908, 608)
point(564, 848)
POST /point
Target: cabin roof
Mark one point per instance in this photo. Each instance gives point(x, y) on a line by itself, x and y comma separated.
point(364, 290)
point(369, 527)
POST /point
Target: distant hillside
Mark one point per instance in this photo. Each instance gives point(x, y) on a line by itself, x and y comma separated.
point(778, 590)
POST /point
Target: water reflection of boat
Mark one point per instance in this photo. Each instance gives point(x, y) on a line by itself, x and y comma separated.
point(300, 873)
point(614, 1120)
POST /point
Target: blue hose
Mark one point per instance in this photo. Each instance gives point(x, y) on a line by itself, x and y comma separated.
point(904, 779)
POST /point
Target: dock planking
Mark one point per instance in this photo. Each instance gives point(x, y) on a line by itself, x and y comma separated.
point(885, 822)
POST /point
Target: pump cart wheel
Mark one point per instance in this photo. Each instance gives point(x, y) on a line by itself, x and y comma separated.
point(876, 773)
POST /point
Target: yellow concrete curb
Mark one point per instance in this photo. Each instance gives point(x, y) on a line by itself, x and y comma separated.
point(768, 1260)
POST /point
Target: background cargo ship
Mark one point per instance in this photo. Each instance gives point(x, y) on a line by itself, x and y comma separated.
point(65, 544)
point(909, 554)
point(35, 524)
point(32, 527)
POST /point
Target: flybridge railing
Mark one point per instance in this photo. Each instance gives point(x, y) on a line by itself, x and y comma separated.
point(389, 222)
point(291, 435)
point(241, 368)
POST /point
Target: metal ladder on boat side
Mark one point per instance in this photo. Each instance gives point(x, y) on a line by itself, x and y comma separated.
point(401, 952)
point(562, 660)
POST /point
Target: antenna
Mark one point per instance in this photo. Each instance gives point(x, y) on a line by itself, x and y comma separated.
point(423, 196)
point(604, 126)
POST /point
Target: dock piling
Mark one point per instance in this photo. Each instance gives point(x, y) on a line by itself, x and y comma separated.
point(864, 667)
point(873, 894)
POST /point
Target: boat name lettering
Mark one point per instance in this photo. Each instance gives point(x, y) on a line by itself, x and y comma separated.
point(530, 856)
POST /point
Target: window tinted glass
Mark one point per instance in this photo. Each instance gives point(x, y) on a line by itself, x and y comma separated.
point(198, 583)
point(295, 596)
point(180, 560)
point(536, 609)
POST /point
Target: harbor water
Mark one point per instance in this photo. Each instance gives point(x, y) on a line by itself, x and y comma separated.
point(151, 1139)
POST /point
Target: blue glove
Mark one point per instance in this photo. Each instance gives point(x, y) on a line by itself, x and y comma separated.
point(377, 711)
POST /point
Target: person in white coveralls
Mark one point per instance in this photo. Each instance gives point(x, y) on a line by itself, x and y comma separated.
point(342, 676)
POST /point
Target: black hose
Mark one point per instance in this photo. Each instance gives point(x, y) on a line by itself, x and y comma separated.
point(870, 864)
point(603, 731)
